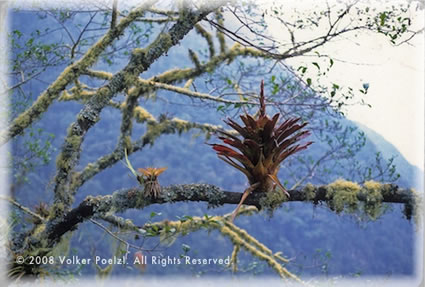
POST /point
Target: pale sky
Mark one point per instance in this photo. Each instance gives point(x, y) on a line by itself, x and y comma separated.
point(396, 78)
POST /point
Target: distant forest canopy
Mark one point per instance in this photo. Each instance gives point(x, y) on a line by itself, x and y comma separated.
point(90, 85)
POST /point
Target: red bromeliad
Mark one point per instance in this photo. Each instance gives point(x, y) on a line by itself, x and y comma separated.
point(264, 145)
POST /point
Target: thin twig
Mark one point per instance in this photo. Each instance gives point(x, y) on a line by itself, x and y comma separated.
point(117, 237)
point(23, 208)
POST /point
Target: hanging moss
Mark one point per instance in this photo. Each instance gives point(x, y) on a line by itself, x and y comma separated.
point(220, 35)
point(207, 37)
point(272, 200)
point(127, 144)
point(309, 191)
point(141, 115)
point(417, 206)
point(343, 194)
point(372, 206)
point(57, 210)
point(373, 191)
point(234, 258)
point(252, 240)
point(237, 240)
point(120, 222)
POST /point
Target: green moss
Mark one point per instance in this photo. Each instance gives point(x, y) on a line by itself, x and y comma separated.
point(181, 125)
point(57, 210)
point(141, 115)
point(234, 258)
point(309, 191)
point(127, 144)
point(207, 37)
point(165, 40)
point(272, 200)
point(23, 120)
point(38, 229)
point(220, 35)
point(343, 194)
point(372, 185)
point(63, 163)
point(237, 240)
point(194, 59)
point(75, 181)
point(372, 206)
point(74, 141)
point(373, 192)
point(417, 207)
point(129, 79)
point(253, 241)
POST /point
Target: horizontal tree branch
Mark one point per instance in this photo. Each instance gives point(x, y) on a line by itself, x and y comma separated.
point(125, 199)
point(155, 129)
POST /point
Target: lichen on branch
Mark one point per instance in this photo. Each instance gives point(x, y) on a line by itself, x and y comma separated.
point(140, 61)
point(71, 73)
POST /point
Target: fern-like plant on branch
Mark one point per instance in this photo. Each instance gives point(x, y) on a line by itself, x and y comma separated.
point(261, 149)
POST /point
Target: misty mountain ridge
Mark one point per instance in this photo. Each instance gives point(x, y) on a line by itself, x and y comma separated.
point(406, 169)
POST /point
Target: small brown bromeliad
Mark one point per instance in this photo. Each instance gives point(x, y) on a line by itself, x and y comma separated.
point(147, 177)
point(150, 180)
point(262, 148)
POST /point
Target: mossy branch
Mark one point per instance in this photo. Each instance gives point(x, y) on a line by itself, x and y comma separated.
point(125, 199)
point(155, 129)
point(236, 239)
point(179, 75)
point(194, 58)
point(190, 93)
point(140, 61)
point(70, 74)
point(120, 222)
point(238, 236)
point(220, 35)
point(207, 35)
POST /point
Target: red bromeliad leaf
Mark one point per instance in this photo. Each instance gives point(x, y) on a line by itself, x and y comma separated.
point(228, 152)
point(221, 149)
point(268, 130)
point(249, 122)
point(284, 134)
point(285, 144)
point(234, 164)
point(242, 131)
point(286, 124)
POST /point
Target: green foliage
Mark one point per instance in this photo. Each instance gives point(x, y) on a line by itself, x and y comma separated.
point(36, 151)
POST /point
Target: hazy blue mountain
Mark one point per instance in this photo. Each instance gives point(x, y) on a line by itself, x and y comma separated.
point(410, 173)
